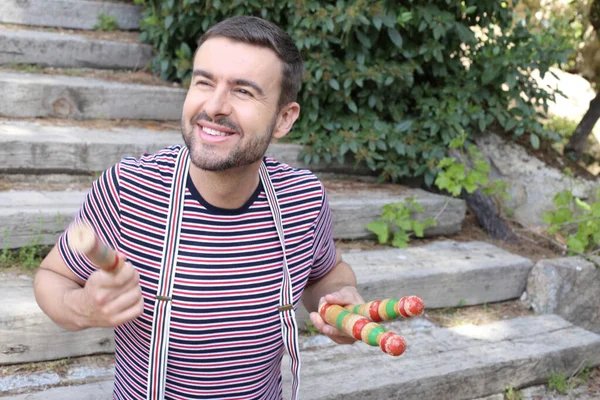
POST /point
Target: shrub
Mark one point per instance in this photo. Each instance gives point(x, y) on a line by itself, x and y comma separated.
point(387, 84)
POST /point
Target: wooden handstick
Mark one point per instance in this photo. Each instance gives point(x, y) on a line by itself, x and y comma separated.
point(361, 328)
point(388, 309)
point(83, 239)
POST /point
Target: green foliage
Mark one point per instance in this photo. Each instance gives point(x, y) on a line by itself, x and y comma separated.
point(388, 84)
point(575, 221)
point(397, 223)
point(309, 329)
point(455, 176)
point(562, 126)
point(559, 383)
point(25, 259)
point(106, 23)
point(511, 393)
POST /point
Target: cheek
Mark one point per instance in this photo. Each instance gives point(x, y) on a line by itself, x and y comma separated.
point(192, 102)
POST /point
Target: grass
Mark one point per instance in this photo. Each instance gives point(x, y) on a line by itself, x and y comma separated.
point(106, 23)
point(25, 259)
point(511, 393)
point(561, 383)
point(309, 329)
point(58, 366)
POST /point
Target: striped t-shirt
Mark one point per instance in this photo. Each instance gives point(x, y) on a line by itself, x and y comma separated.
point(225, 332)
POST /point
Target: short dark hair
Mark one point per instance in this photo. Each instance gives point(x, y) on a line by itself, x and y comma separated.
point(258, 32)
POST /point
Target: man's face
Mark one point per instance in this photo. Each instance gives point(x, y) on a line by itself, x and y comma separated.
point(231, 108)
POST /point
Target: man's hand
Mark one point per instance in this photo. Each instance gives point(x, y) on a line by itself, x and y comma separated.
point(110, 299)
point(345, 296)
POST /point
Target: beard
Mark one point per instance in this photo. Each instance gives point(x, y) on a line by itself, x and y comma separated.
point(247, 151)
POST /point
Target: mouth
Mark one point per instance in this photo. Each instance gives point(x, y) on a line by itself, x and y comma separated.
point(210, 132)
point(214, 132)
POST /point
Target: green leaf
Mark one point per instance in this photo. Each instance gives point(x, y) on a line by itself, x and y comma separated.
point(596, 209)
point(489, 74)
point(535, 141)
point(334, 84)
point(352, 106)
point(563, 198)
point(395, 37)
point(548, 217)
point(405, 224)
point(575, 244)
point(403, 126)
point(319, 74)
point(381, 229)
point(186, 50)
point(418, 228)
point(401, 239)
point(470, 10)
point(169, 21)
point(363, 39)
point(443, 182)
point(582, 204)
point(469, 187)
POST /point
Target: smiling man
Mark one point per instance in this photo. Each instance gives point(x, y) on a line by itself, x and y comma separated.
point(221, 242)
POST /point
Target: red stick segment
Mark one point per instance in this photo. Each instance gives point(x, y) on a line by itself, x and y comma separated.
point(83, 239)
point(362, 329)
point(389, 309)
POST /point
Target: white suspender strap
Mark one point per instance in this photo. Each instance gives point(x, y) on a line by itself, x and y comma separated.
point(289, 327)
point(159, 345)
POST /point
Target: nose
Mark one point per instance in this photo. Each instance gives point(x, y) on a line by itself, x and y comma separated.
point(217, 104)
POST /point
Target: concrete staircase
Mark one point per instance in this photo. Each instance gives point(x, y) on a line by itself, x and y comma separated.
point(74, 111)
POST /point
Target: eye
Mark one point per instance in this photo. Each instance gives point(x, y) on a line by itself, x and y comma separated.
point(243, 92)
point(202, 82)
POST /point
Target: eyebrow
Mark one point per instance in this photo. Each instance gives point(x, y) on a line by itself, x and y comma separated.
point(238, 81)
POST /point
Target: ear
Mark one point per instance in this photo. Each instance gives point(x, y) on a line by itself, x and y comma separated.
point(285, 120)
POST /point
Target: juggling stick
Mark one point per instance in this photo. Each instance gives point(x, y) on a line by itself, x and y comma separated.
point(83, 239)
point(361, 328)
point(388, 309)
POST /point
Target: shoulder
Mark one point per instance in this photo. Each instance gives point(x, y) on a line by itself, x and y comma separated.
point(287, 179)
point(152, 165)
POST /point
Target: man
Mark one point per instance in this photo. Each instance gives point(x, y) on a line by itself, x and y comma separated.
point(225, 327)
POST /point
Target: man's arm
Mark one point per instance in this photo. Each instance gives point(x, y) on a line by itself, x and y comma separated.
point(105, 300)
point(337, 287)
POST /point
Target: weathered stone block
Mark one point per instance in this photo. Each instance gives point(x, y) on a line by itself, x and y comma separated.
point(569, 287)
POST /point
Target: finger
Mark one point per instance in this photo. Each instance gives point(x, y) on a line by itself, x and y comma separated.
point(127, 315)
point(123, 302)
point(332, 332)
point(125, 277)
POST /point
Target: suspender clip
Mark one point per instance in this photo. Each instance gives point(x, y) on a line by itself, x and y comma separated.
point(163, 298)
point(285, 307)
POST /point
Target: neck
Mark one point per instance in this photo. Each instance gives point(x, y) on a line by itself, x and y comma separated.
point(226, 189)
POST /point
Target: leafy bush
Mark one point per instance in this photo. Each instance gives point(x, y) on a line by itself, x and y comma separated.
point(106, 23)
point(387, 84)
point(575, 222)
point(467, 172)
point(396, 224)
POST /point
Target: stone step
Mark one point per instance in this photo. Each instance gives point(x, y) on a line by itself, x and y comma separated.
point(28, 335)
point(37, 217)
point(74, 14)
point(444, 274)
point(458, 363)
point(27, 95)
point(45, 147)
point(57, 49)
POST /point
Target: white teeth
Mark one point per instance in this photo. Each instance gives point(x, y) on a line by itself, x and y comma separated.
point(213, 132)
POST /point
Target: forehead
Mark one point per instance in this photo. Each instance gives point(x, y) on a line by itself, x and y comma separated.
point(228, 60)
